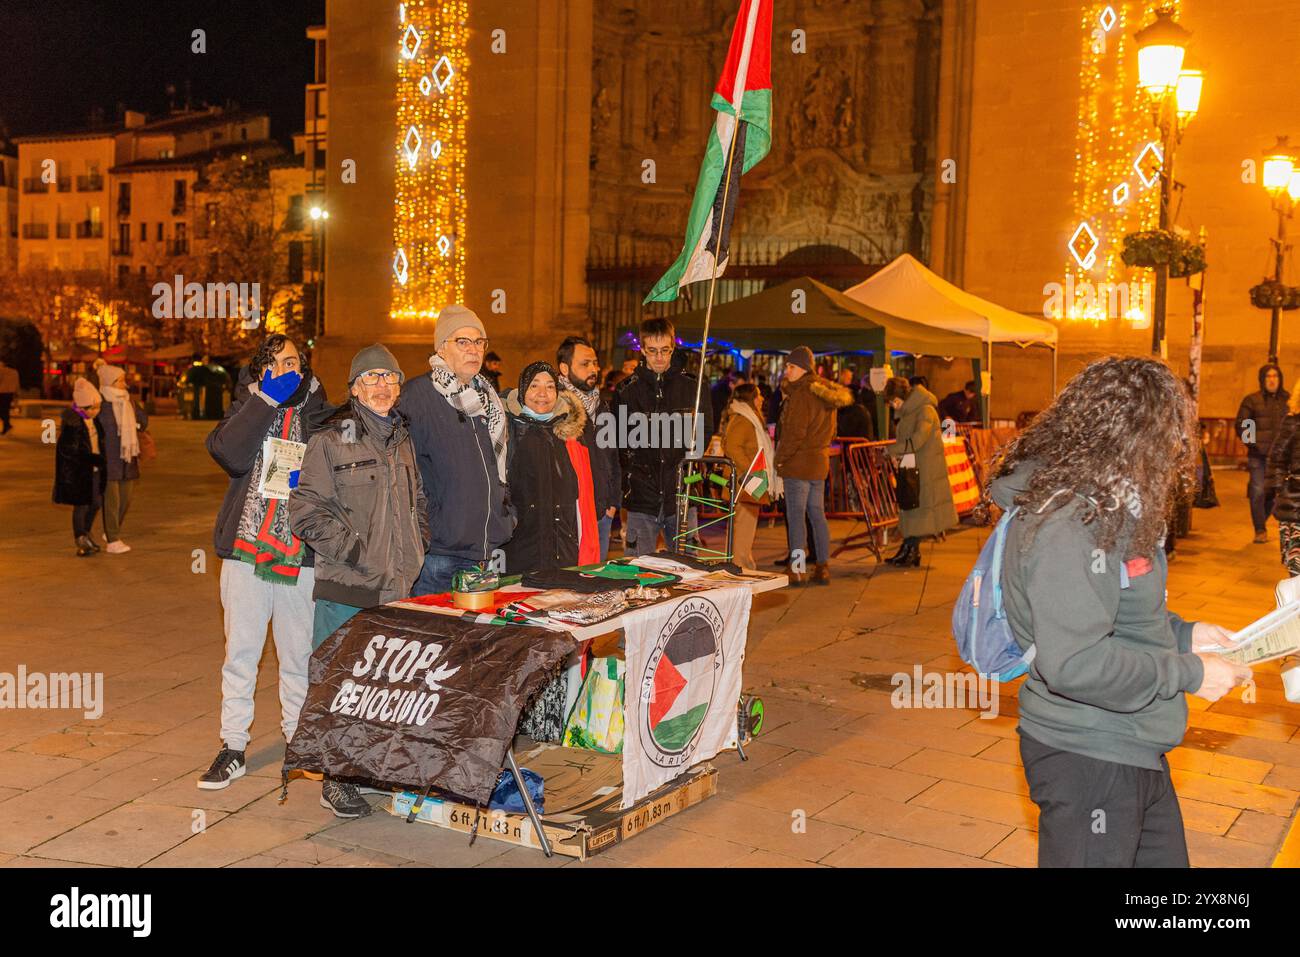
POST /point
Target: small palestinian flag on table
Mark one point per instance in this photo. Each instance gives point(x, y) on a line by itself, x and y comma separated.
point(744, 92)
point(756, 479)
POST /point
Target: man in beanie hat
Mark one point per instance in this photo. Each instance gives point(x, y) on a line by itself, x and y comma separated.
point(360, 504)
point(267, 572)
point(79, 466)
point(459, 428)
point(803, 438)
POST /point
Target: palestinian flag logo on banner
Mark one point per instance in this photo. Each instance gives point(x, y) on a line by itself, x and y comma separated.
point(755, 481)
point(680, 680)
point(744, 90)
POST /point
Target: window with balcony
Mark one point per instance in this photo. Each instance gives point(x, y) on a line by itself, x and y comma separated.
point(124, 199)
point(122, 245)
point(90, 183)
point(294, 220)
point(36, 230)
point(90, 229)
point(34, 184)
point(178, 197)
point(63, 230)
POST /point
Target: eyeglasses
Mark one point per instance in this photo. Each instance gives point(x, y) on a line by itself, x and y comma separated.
point(465, 345)
point(372, 378)
point(658, 353)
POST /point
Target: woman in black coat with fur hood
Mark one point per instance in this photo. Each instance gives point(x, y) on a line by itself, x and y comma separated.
point(548, 471)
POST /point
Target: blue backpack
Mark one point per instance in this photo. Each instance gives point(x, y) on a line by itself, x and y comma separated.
point(979, 621)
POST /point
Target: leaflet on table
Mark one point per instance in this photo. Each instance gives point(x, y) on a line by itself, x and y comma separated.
point(280, 457)
point(1275, 635)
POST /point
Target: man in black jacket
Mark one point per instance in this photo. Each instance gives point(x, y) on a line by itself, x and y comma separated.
point(1258, 420)
point(646, 404)
point(267, 573)
point(580, 373)
point(459, 429)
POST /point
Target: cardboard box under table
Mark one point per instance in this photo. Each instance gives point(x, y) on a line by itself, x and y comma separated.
point(684, 662)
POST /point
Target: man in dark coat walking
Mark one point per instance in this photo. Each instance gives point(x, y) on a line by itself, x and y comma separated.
point(1258, 420)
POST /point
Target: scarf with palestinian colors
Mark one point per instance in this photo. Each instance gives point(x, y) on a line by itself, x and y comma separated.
point(264, 538)
point(590, 400)
point(476, 399)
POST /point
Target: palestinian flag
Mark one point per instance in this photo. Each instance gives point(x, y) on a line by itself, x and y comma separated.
point(743, 100)
point(683, 684)
point(755, 480)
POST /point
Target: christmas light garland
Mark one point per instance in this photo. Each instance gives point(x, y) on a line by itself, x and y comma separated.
point(1116, 160)
point(429, 201)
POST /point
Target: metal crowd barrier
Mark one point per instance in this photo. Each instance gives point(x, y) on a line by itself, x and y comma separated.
point(871, 474)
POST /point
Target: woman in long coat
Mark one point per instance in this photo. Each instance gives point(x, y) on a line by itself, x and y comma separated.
point(920, 434)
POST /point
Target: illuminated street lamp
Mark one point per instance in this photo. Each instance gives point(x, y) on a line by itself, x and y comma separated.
point(1175, 96)
point(1282, 181)
point(319, 215)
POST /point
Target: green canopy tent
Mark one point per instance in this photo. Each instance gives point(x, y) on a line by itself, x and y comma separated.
point(806, 312)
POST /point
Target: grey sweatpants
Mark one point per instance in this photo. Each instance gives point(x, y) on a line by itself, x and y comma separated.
point(250, 605)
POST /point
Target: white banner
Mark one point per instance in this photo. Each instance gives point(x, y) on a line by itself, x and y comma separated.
point(684, 662)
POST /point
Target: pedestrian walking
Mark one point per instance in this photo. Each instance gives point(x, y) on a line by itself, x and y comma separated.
point(1282, 477)
point(459, 430)
point(803, 439)
point(918, 444)
point(744, 436)
point(579, 370)
point(8, 389)
point(267, 571)
point(1258, 420)
point(79, 464)
point(360, 505)
point(549, 474)
point(658, 388)
point(1083, 581)
point(123, 419)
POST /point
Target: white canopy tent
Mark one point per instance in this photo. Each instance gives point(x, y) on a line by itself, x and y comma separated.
point(906, 288)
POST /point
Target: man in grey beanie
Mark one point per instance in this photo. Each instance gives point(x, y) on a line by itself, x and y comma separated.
point(360, 504)
point(459, 429)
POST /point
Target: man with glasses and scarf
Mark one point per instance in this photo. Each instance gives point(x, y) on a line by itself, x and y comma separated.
point(459, 428)
point(658, 386)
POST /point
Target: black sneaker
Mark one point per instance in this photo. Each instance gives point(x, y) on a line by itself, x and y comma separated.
point(228, 766)
point(343, 799)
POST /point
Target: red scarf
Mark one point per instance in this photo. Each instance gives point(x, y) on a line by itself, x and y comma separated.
point(588, 536)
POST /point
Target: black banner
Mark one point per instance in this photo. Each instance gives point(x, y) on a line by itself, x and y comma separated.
point(419, 699)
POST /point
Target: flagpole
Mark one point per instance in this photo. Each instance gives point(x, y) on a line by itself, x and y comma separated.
point(713, 271)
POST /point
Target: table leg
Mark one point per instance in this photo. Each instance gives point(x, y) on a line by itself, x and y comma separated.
point(528, 803)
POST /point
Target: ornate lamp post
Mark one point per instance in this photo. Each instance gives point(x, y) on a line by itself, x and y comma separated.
point(1175, 96)
point(1282, 181)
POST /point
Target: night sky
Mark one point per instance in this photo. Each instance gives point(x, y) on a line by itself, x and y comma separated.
point(59, 59)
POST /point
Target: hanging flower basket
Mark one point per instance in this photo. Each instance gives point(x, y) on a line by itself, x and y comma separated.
point(1156, 247)
point(1271, 294)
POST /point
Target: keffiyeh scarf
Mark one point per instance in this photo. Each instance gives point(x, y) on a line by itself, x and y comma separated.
point(476, 399)
point(264, 538)
point(590, 400)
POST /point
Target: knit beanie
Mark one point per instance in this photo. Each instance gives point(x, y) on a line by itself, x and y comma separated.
point(109, 375)
point(85, 394)
point(453, 318)
point(373, 357)
point(801, 357)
